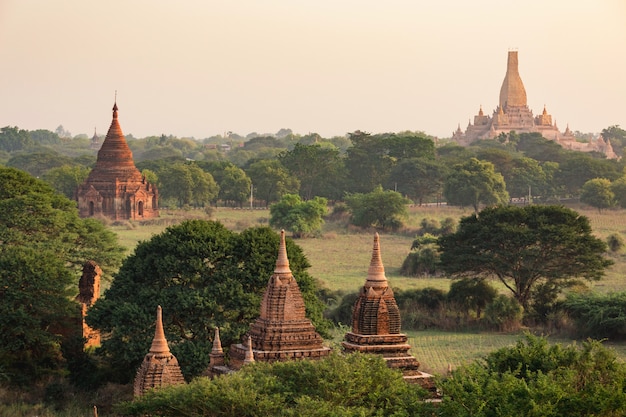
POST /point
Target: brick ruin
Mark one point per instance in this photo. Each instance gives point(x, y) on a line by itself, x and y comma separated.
point(88, 293)
point(376, 324)
point(115, 188)
point(159, 367)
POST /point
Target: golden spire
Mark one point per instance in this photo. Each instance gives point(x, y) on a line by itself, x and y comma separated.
point(512, 92)
point(282, 262)
point(376, 272)
point(217, 343)
point(159, 343)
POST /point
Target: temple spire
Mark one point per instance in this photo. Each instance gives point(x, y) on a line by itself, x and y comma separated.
point(217, 343)
point(159, 343)
point(249, 358)
point(282, 262)
point(376, 271)
point(512, 92)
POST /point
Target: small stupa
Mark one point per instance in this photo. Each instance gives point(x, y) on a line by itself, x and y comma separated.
point(159, 367)
point(376, 324)
point(282, 331)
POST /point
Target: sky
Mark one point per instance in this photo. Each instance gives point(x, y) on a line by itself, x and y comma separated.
point(199, 68)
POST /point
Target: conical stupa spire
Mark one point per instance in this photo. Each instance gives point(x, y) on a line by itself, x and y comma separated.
point(376, 272)
point(217, 343)
point(282, 262)
point(512, 92)
point(249, 358)
point(159, 343)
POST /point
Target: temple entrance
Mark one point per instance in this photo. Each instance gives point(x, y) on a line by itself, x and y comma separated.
point(140, 208)
point(91, 208)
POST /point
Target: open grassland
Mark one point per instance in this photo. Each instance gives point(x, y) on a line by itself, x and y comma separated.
point(340, 258)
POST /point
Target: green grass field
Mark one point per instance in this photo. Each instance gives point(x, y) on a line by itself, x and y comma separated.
point(341, 256)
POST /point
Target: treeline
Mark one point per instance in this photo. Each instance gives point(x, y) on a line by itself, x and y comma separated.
point(262, 169)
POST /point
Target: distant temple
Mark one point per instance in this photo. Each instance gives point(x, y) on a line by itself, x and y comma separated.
point(159, 367)
point(115, 188)
point(513, 114)
point(376, 324)
point(281, 332)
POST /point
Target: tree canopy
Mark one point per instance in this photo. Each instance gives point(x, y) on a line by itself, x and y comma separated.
point(473, 183)
point(44, 245)
point(204, 276)
point(300, 217)
point(529, 249)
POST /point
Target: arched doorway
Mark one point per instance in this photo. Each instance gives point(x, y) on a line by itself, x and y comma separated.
point(91, 208)
point(140, 208)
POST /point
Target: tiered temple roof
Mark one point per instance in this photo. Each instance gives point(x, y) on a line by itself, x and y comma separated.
point(376, 324)
point(115, 188)
point(160, 367)
point(282, 331)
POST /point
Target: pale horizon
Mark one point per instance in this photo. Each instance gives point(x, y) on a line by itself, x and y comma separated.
point(199, 68)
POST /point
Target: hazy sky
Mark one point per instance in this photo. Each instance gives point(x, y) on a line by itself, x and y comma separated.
point(203, 67)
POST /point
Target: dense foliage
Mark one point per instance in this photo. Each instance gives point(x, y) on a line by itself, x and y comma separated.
point(302, 218)
point(382, 209)
point(534, 378)
point(528, 249)
point(44, 245)
point(352, 385)
point(203, 276)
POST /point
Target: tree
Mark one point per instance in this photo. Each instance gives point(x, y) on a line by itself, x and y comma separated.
point(14, 139)
point(271, 180)
point(578, 168)
point(525, 248)
point(526, 177)
point(619, 190)
point(474, 183)
point(383, 209)
point(44, 245)
point(187, 184)
point(38, 163)
point(302, 218)
point(418, 178)
point(471, 294)
point(204, 276)
point(235, 185)
point(317, 168)
point(66, 179)
point(597, 193)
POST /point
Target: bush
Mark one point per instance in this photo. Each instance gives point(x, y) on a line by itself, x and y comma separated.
point(504, 313)
point(598, 316)
point(615, 242)
point(471, 294)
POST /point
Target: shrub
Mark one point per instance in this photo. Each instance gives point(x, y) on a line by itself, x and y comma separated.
point(471, 294)
point(504, 313)
point(615, 242)
point(598, 316)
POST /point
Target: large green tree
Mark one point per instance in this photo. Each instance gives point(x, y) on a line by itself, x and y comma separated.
point(44, 245)
point(598, 193)
point(271, 180)
point(14, 139)
point(418, 178)
point(318, 168)
point(379, 208)
point(475, 183)
point(204, 276)
point(302, 218)
point(187, 184)
point(528, 249)
point(66, 179)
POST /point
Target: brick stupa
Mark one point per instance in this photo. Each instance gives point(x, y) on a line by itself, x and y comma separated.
point(115, 188)
point(159, 367)
point(376, 324)
point(282, 331)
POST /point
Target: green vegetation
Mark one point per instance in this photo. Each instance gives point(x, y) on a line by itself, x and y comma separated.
point(204, 276)
point(302, 218)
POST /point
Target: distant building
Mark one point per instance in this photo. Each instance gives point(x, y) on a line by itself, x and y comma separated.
point(513, 114)
point(115, 188)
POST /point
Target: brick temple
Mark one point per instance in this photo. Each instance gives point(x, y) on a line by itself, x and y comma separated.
point(282, 331)
point(88, 294)
point(376, 324)
point(115, 188)
point(513, 114)
point(159, 367)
